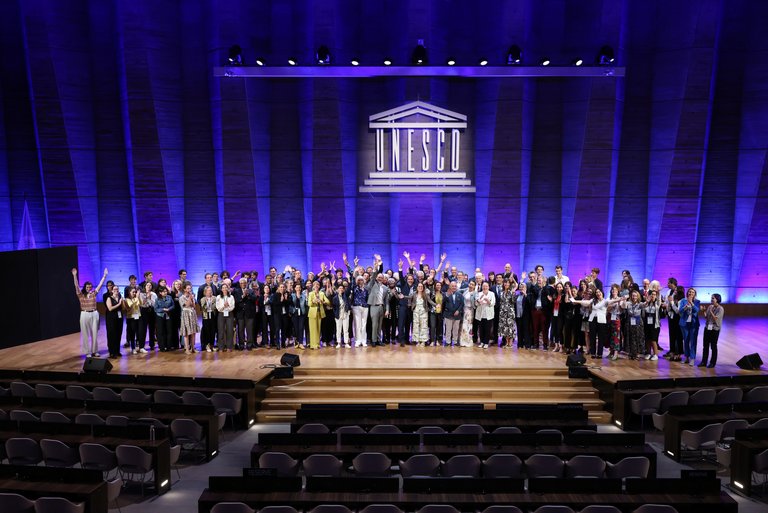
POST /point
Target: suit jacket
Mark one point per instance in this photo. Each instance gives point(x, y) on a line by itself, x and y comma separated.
point(337, 301)
point(317, 310)
point(376, 290)
point(453, 303)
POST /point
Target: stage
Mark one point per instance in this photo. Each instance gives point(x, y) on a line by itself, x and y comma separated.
point(740, 336)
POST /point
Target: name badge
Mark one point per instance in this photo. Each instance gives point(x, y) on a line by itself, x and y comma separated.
point(538, 303)
point(135, 316)
point(554, 314)
point(614, 317)
point(226, 313)
point(119, 315)
point(649, 320)
point(633, 321)
point(710, 327)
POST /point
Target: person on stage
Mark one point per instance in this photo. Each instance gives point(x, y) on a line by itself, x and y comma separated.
point(635, 330)
point(485, 301)
point(614, 313)
point(420, 303)
point(454, 308)
point(598, 319)
point(240, 293)
point(114, 322)
point(164, 305)
point(714, 322)
point(651, 326)
point(390, 315)
point(360, 311)
point(342, 309)
point(436, 315)
point(267, 332)
point(209, 313)
point(89, 316)
point(523, 316)
point(280, 302)
point(328, 324)
point(676, 294)
point(557, 323)
point(406, 288)
point(177, 290)
point(571, 323)
point(468, 316)
point(298, 310)
point(507, 325)
point(316, 302)
point(689, 324)
point(132, 308)
point(189, 325)
point(251, 307)
point(147, 299)
point(225, 306)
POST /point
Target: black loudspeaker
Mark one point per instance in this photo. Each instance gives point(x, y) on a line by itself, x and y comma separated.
point(574, 360)
point(292, 360)
point(97, 365)
point(282, 373)
point(750, 362)
point(578, 372)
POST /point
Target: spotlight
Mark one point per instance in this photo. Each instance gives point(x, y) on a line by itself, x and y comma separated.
point(483, 62)
point(387, 61)
point(292, 61)
point(515, 55)
point(235, 56)
point(260, 62)
point(419, 55)
point(545, 61)
point(323, 55)
point(606, 56)
point(354, 62)
point(451, 62)
point(578, 62)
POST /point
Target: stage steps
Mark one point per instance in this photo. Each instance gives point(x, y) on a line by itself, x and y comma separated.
point(393, 386)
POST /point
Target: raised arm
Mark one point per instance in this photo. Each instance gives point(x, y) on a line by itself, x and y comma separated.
point(77, 283)
point(103, 277)
point(442, 261)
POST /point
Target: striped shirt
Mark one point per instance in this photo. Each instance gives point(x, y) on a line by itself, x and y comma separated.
point(87, 301)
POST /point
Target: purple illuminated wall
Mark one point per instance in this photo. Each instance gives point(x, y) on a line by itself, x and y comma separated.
point(115, 133)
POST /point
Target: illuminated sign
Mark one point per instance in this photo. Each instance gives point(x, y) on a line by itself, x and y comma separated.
point(418, 149)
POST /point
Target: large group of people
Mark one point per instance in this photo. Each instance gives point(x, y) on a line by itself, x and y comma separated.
point(417, 304)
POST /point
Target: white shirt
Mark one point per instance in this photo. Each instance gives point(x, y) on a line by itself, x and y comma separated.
point(485, 303)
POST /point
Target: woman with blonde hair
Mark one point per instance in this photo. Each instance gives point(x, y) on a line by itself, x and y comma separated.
point(689, 324)
point(420, 303)
point(189, 327)
point(316, 301)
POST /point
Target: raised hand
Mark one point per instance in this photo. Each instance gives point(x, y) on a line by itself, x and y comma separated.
point(407, 255)
point(74, 272)
point(344, 257)
point(356, 260)
point(422, 258)
point(322, 266)
point(106, 271)
point(400, 264)
point(377, 257)
point(447, 265)
point(443, 257)
point(333, 265)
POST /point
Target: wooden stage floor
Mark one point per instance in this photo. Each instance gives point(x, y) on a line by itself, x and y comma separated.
point(740, 336)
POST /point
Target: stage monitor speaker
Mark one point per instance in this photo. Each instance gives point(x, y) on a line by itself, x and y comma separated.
point(282, 373)
point(578, 372)
point(750, 362)
point(292, 360)
point(97, 365)
point(575, 360)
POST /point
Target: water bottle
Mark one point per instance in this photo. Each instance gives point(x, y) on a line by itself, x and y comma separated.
point(152, 433)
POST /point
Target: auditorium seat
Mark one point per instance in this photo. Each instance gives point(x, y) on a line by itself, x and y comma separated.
point(438, 508)
point(548, 431)
point(58, 505)
point(430, 430)
point(97, 457)
point(759, 424)
point(381, 508)
point(106, 394)
point(78, 393)
point(350, 429)
point(134, 395)
point(23, 416)
point(507, 430)
point(385, 429)
point(167, 397)
point(420, 465)
point(90, 419)
point(544, 465)
point(133, 460)
point(585, 465)
point(194, 398)
point(731, 426)
point(655, 508)
point(15, 503)
point(23, 451)
point(676, 398)
point(469, 429)
point(55, 417)
point(48, 391)
point(760, 465)
point(227, 404)
point(268, 509)
point(600, 508)
point(312, 428)
point(187, 432)
point(462, 465)
point(239, 507)
point(330, 508)
point(374, 464)
point(646, 405)
point(703, 396)
point(117, 420)
point(729, 396)
point(553, 509)
point(21, 389)
point(756, 395)
point(503, 465)
point(499, 508)
point(704, 440)
point(114, 487)
point(322, 465)
point(284, 465)
point(632, 466)
point(58, 454)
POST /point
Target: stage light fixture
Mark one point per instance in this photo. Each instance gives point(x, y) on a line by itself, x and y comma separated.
point(259, 61)
point(323, 55)
point(354, 62)
point(514, 56)
point(387, 61)
point(292, 61)
point(483, 62)
point(419, 55)
point(545, 61)
point(578, 62)
point(235, 56)
point(606, 56)
point(451, 62)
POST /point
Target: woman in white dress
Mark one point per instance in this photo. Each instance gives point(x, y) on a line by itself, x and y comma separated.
point(465, 339)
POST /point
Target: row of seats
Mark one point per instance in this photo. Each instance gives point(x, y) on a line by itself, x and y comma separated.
point(15, 503)
point(219, 400)
point(653, 402)
point(239, 507)
point(464, 429)
point(465, 465)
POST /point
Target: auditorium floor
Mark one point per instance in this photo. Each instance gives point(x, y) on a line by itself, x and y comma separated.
point(235, 454)
point(740, 336)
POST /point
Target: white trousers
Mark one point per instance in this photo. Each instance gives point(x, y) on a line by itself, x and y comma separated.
point(89, 331)
point(342, 326)
point(360, 314)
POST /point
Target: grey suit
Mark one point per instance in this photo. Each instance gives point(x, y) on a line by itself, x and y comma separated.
point(378, 303)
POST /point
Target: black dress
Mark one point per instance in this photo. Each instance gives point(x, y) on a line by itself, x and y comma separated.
point(114, 324)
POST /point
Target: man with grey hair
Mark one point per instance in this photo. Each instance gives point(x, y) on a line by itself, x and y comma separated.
point(452, 311)
point(378, 299)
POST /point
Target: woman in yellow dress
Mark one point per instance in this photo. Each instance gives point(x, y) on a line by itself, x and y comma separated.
point(316, 301)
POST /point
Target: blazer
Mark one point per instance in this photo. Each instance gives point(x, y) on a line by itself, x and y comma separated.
point(337, 301)
point(317, 310)
point(694, 314)
point(483, 310)
point(453, 303)
point(428, 300)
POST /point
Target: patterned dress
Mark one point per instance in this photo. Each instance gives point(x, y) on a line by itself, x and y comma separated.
point(507, 327)
point(188, 316)
point(465, 338)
